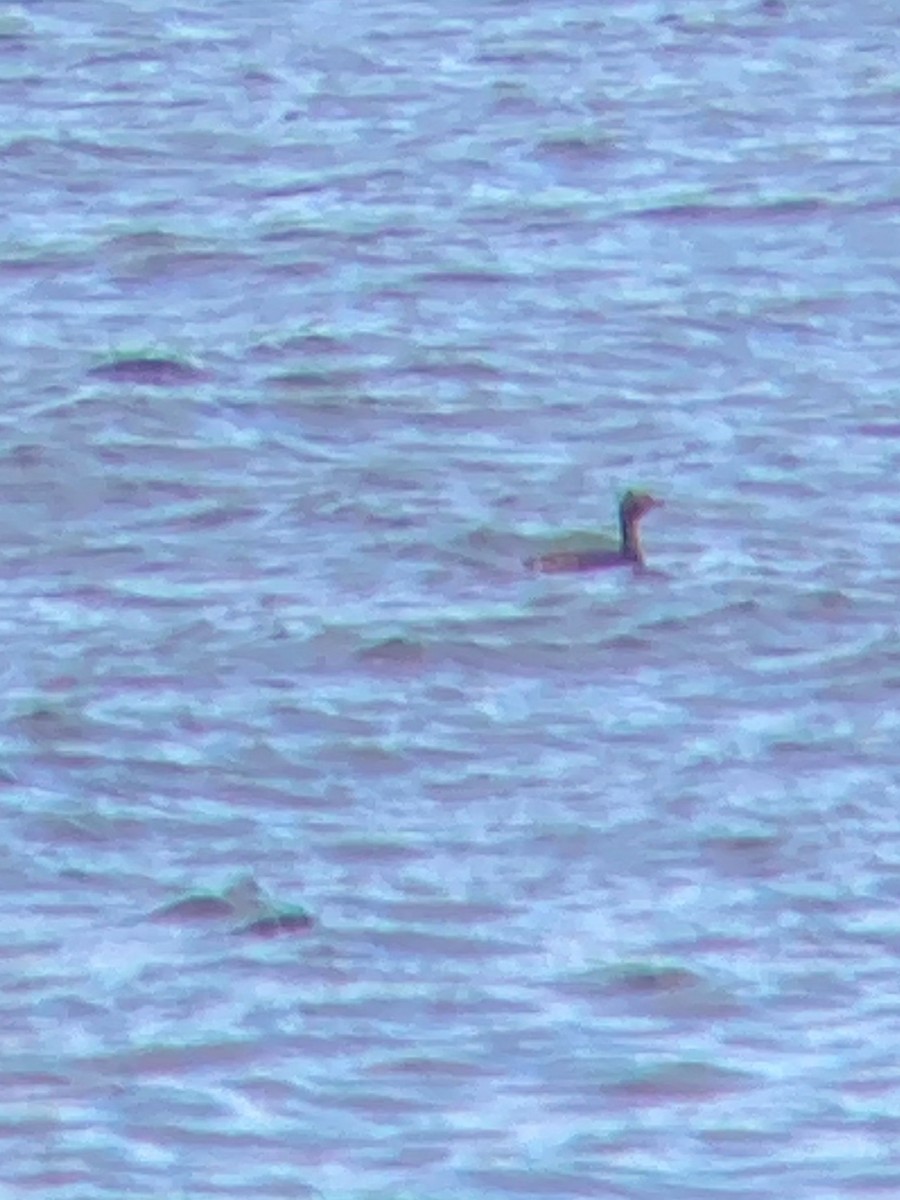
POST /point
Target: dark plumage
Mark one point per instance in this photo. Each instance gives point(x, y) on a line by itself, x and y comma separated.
point(632, 507)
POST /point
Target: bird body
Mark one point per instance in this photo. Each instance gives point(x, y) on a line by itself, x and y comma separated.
point(629, 552)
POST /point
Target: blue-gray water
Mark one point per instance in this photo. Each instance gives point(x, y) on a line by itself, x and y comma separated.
point(316, 320)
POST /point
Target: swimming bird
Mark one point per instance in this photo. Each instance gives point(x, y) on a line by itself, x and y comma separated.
point(632, 507)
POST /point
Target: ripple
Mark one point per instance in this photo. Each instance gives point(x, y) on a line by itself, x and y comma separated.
point(151, 371)
point(415, 944)
point(766, 212)
point(244, 902)
point(286, 920)
point(553, 1184)
point(653, 989)
point(681, 1081)
point(395, 652)
point(750, 856)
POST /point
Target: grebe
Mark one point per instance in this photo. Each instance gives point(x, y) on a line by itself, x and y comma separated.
point(632, 507)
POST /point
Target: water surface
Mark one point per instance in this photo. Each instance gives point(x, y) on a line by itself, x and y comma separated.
point(315, 325)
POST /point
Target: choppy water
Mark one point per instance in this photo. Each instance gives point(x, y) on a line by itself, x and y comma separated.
point(316, 321)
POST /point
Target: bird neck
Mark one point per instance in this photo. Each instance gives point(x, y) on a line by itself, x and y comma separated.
point(631, 539)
